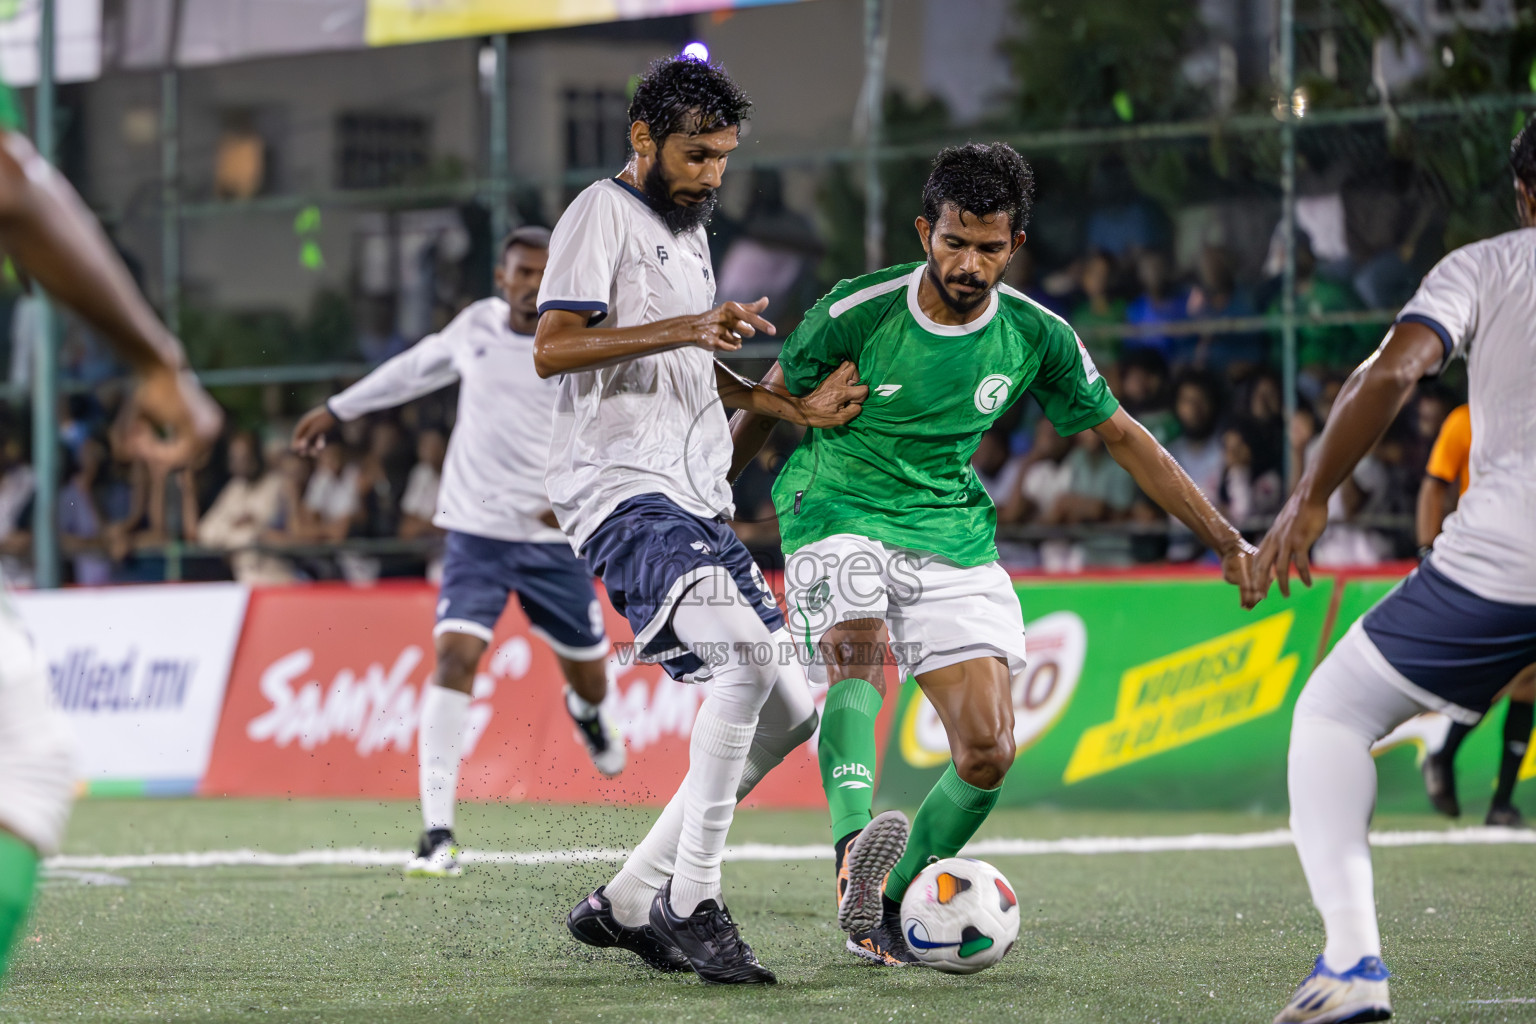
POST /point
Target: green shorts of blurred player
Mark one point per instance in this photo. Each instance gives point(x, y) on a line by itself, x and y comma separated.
point(36, 775)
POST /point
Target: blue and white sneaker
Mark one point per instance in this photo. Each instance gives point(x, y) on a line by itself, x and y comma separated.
point(1358, 994)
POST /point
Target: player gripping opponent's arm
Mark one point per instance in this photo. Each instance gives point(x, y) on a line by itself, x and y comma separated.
point(1166, 483)
point(1367, 405)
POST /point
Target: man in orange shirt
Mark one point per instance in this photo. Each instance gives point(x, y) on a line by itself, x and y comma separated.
point(1449, 467)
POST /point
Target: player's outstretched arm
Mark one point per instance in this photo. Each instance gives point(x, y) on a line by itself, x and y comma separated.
point(1368, 403)
point(425, 367)
point(1166, 483)
point(564, 343)
point(46, 228)
point(749, 430)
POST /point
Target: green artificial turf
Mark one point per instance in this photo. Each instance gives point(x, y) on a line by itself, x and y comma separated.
point(1189, 936)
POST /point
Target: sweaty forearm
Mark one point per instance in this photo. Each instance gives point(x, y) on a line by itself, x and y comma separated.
point(750, 429)
point(49, 232)
point(561, 346)
point(1165, 482)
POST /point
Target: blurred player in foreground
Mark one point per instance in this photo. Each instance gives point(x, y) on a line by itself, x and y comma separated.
point(637, 476)
point(1450, 466)
point(1458, 629)
point(889, 535)
point(501, 533)
point(46, 230)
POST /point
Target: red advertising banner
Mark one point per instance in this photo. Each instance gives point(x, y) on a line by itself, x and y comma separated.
point(325, 694)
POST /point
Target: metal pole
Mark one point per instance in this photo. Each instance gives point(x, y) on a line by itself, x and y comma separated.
point(170, 197)
point(1288, 223)
point(501, 218)
point(45, 362)
point(875, 37)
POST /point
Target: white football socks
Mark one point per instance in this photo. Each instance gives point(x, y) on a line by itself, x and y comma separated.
point(787, 719)
point(444, 717)
point(1346, 707)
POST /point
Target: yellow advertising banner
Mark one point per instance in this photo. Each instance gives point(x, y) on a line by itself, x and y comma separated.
point(415, 21)
point(1189, 695)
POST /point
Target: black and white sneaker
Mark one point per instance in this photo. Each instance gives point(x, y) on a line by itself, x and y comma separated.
point(602, 738)
point(591, 921)
point(710, 942)
point(437, 856)
point(884, 944)
point(1440, 784)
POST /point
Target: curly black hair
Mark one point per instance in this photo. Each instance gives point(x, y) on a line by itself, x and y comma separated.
point(1522, 155)
point(981, 179)
point(687, 95)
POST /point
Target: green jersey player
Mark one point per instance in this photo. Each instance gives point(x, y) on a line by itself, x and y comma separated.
point(888, 533)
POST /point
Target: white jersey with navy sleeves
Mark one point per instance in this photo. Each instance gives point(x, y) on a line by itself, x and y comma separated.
point(652, 425)
point(493, 476)
point(1481, 301)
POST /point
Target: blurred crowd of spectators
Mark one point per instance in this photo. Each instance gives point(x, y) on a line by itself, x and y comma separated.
point(1191, 355)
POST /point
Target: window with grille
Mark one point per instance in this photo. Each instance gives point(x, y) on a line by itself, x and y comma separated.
point(375, 150)
point(596, 129)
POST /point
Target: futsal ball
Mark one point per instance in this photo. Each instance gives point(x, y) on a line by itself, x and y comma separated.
point(960, 915)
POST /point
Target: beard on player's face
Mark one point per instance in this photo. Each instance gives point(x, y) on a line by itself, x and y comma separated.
point(959, 302)
point(664, 197)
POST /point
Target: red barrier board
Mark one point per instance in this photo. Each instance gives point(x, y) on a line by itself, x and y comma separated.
point(325, 694)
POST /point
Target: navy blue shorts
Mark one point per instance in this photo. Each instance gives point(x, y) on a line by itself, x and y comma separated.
point(1448, 641)
point(649, 552)
point(552, 584)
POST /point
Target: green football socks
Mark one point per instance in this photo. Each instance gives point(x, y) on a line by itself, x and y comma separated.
point(951, 813)
point(18, 876)
point(847, 753)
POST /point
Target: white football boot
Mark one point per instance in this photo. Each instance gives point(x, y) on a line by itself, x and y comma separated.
point(1358, 994)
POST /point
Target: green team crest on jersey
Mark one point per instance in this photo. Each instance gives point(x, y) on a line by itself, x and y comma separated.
point(901, 472)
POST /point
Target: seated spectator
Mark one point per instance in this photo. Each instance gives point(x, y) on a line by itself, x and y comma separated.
point(1264, 411)
point(1250, 483)
point(17, 487)
point(1044, 476)
point(1160, 302)
point(331, 507)
point(1144, 392)
point(419, 504)
point(1198, 450)
point(1219, 296)
point(1098, 491)
point(82, 528)
point(243, 511)
point(1322, 349)
point(1196, 405)
point(383, 473)
point(1097, 308)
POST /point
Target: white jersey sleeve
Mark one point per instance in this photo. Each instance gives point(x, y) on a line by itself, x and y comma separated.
point(1447, 302)
point(584, 253)
point(423, 368)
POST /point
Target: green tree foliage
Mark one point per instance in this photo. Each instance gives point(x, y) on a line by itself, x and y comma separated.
point(1096, 62)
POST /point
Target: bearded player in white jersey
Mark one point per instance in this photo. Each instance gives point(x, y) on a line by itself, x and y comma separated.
point(637, 476)
point(46, 229)
point(1456, 631)
point(501, 534)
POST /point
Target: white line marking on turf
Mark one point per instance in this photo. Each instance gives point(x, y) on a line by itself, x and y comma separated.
point(1083, 846)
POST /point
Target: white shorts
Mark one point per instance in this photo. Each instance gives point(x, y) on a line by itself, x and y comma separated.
point(37, 777)
point(938, 613)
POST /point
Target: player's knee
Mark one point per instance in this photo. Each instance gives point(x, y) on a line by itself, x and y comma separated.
point(984, 764)
point(458, 657)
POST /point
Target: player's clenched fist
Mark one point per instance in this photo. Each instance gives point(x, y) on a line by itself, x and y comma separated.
point(836, 400)
point(722, 328)
point(309, 434)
